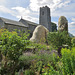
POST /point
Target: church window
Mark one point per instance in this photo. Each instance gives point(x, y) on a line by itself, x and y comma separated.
point(43, 13)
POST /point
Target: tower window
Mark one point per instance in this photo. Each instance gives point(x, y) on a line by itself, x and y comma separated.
point(43, 13)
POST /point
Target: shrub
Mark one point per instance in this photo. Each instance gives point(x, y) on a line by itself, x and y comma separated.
point(68, 61)
point(53, 27)
point(37, 47)
point(65, 66)
point(25, 60)
point(57, 39)
point(12, 46)
point(73, 42)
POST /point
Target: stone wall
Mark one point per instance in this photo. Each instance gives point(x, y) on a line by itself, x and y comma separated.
point(13, 27)
point(1, 23)
point(31, 28)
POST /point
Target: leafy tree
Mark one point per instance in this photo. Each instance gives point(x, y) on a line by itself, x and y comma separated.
point(57, 39)
point(53, 27)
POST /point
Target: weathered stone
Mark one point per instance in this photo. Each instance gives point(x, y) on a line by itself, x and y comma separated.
point(62, 24)
point(39, 34)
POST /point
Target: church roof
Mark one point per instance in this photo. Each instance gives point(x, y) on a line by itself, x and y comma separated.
point(12, 22)
point(29, 22)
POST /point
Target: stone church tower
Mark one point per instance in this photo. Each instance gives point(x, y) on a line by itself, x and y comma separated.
point(45, 18)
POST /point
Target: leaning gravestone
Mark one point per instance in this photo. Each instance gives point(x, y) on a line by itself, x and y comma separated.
point(39, 34)
point(62, 24)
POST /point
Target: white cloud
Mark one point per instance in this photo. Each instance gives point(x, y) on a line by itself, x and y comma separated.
point(53, 4)
point(25, 13)
point(3, 9)
point(3, 2)
point(72, 23)
point(73, 19)
point(21, 11)
point(71, 27)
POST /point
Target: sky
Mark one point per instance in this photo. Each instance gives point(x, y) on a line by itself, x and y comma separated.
point(29, 10)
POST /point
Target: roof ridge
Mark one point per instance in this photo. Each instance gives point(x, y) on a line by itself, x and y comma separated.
point(8, 19)
point(29, 21)
point(13, 22)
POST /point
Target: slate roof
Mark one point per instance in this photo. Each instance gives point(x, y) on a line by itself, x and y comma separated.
point(12, 22)
point(30, 23)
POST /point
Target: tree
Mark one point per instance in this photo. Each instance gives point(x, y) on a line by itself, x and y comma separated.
point(53, 27)
point(57, 39)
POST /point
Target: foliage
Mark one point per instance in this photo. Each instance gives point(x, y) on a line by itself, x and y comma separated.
point(26, 60)
point(57, 39)
point(35, 62)
point(73, 42)
point(54, 27)
point(68, 61)
point(49, 70)
point(64, 66)
point(12, 46)
point(41, 62)
point(37, 46)
point(28, 72)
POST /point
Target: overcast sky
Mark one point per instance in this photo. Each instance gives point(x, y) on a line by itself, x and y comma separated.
point(29, 10)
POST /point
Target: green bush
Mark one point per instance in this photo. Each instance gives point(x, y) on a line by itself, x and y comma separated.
point(35, 62)
point(68, 61)
point(73, 42)
point(25, 60)
point(53, 27)
point(37, 46)
point(12, 47)
point(28, 72)
point(57, 39)
point(64, 66)
point(50, 70)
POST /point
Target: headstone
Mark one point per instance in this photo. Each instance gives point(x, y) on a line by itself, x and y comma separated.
point(39, 34)
point(62, 24)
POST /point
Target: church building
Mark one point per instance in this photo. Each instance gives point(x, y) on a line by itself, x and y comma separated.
point(22, 24)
